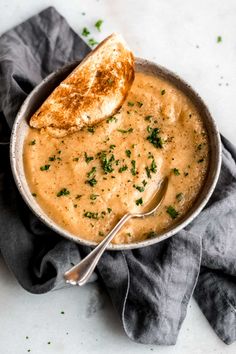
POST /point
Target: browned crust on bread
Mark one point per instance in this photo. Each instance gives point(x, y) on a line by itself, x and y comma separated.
point(93, 91)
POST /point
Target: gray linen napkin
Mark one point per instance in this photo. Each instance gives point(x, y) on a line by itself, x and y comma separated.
point(149, 287)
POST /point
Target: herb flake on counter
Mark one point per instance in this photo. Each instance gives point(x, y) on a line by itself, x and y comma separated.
point(88, 158)
point(133, 168)
point(139, 201)
point(154, 137)
point(32, 142)
point(62, 192)
point(92, 42)
point(123, 168)
point(85, 32)
point(45, 167)
point(98, 25)
point(219, 39)
point(176, 171)
point(62, 312)
point(163, 92)
point(130, 130)
point(172, 212)
point(91, 215)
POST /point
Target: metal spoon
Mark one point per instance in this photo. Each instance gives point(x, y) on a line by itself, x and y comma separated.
point(81, 272)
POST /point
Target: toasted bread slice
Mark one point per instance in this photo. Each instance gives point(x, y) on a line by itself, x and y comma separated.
point(94, 90)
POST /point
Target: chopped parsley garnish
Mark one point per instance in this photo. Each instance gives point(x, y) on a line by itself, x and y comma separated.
point(201, 160)
point(144, 182)
point(128, 153)
point(91, 215)
point(107, 162)
point(176, 171)
point(112, 119)
point(179, 196)
point(85, 32)
point(98, 25)
point(123, 168)
point(140, 104)
point(88, 158)
point(91, 130)
point(148, 118)
point(91, 172)
point(92, 182)
point(93, 196)
point(172, 212)
point(139, 201)
point(32, 142)
point(52, 158)
point(153, 166)
point(109, 210)
point(219, 39)
point(133, 169)
point(45, 167)
point(131, 104)
point(163, 92)
point(63, 191)
point(150, 155)
point(34, 195)
point(112, 147)
point(76, 159)
point(154, 137)
point(148, 172)
point(151, 234)
point(139, 188)
point(92, 42)
point(125, 130)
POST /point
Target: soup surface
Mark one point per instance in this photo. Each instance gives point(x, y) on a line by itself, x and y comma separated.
point(88, 180)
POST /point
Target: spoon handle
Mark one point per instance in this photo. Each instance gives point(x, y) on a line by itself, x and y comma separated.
point(82, 271)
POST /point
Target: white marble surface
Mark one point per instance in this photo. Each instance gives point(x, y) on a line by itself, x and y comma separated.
point(181, 35)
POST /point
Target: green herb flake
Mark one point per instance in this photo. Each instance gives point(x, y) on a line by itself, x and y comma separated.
point(32, 142)
point(186, 174)
point(144, 183)
point(179, 197)
point(133, 168)
point(219, 39)
point(148, 118)
point(153, 167)
point(163, 92)
point(112, 119)
point(201, 160)
point(154, 137)
point(123, 168)
point(151, 234)
point(128, 153)
point(98, 25)
point(34, 195)
point(63, 191)
point(91, 130)
point(87, 158)
point(76, 159)
point(78, 196)
point(139, 201)
point(109, 210)
point(85, 32)
point(139, 188)
point(130, 130)
point(112, 147)
point(91, 215)
point(52, 158)
point(148, 172)
point(49, 343)
point(107, 162)
point(92, 42)
point(45, 168)
point(176, 171)
point(101, 233)
point(93, 196)
point(140, 104)
point(91, 172)
point(131, 104)
point(92, 182)
point(172, 212)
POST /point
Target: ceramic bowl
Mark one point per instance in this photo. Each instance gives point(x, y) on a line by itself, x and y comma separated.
point(41, 92)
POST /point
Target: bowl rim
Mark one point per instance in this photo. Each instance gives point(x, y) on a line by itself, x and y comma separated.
point(128, 246)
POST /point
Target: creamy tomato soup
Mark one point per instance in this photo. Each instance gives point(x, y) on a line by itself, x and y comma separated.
point(88, 180)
